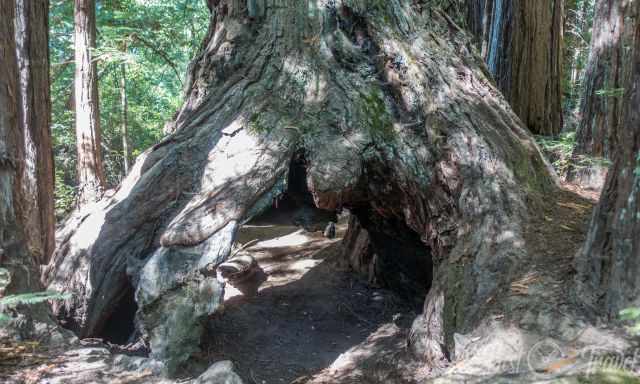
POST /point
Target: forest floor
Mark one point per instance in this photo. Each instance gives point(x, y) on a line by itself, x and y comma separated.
point(311, 319)
point(305, 318)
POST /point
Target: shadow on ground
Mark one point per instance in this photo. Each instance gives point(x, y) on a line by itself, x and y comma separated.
point(291, 331)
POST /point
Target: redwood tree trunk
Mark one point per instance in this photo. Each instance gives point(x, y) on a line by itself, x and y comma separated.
point(124, 105)
point(521, 42)
point(32, 37)
point(14, 254)
point(90, 171)
point(609, 263)
point(397, 120)
point(601, 106)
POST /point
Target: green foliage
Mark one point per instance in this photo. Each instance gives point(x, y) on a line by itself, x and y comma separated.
point(614, 92)
point(155, 41)
point(577, 37)
point(632, 315)
point(559, 150)
point(31, 298)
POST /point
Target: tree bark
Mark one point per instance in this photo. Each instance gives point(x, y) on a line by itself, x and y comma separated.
point(14, 254)
point(91, 181)
point(601, 107)
point(397, 120)
point(521, 42)
point(32, 38)
point(609, 263)
point(124, 106)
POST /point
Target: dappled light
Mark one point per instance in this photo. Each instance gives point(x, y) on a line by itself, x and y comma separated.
point(319, 191)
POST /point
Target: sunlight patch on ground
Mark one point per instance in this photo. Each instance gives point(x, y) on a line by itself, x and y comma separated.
point(297, 238)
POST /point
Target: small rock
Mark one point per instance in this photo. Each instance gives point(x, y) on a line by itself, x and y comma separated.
point(222, 372)
point(330, 230)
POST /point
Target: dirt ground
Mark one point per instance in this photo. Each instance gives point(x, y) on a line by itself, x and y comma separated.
point(308, 312)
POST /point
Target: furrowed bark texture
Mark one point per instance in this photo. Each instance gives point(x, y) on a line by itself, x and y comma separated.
point(32, 38)
point(603, 88)
point(521, 42)
point(608, 265)
point(396, 119)
point(14, 255)
point(91, 182)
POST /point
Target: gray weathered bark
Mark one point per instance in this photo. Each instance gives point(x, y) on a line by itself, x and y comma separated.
point(91, 182)
point(397, 119)
point(32, 38)
point(609, 263)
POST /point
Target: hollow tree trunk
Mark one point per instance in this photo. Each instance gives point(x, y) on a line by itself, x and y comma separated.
point(32, 38)
point(14, 254)
point(90, 171)
point(601, 107)
point(521, 42)
point(608, 264)
point(396, 119)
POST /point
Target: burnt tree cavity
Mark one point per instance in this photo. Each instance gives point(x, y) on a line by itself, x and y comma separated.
point(295, 206)
point(119, 328)
point(389, 254)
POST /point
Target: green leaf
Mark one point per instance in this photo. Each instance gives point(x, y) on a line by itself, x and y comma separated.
point(12, 301)
point(630, 314)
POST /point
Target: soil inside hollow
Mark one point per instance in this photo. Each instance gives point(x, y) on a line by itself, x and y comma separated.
point(307, 311)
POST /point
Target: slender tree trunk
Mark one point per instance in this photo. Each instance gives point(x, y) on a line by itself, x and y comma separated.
point(601, 105)
point(14, 254)
point(124, 106)
point(583, 29)
point(32, 38)
point(521, 42)
point(91, 180)
point(397, 120)
point(609, 263)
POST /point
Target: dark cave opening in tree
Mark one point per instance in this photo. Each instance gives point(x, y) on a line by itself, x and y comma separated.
point(398, 259)
point(296, 206)
point(119, 327)
point(395, 257)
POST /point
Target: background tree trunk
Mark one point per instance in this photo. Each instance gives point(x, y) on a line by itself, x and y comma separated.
point(14, 254)
point(397, 121)
point(609, 263)
point(601, 107)
point(124, 106)
point(577, 26)
point(522, 43)
point(32, 38)
point(91, 180)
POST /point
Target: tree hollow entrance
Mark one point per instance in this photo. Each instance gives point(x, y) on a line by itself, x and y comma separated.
point(390, 254)
point(119, 328)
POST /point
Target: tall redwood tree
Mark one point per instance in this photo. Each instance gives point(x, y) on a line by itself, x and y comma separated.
point(522, 44)
point(609, 263)
point(91, 181)
point(32, 38)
